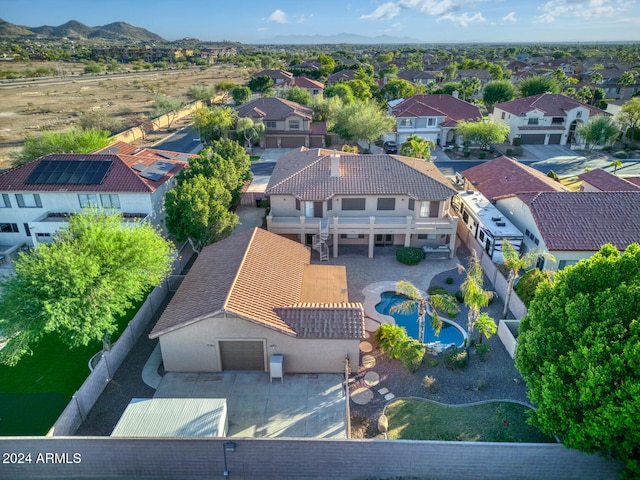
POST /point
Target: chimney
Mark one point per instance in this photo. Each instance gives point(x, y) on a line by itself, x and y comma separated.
point(455, 94)
point(335, 164)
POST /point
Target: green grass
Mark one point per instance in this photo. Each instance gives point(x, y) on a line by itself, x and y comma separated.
point(253, 158)
point(39, 387)
point(416, 419)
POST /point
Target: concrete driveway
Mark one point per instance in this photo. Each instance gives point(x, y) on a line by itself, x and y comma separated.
point(303, 406)
point(553, 152)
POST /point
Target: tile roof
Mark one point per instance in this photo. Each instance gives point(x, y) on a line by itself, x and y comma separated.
point(504, 176)
point(551, 104)
point(304, 82)
point(584, 221)
point(345, 75)
point(437, 105)
point(257, 275)
point(120, 178)
point(273, 108)
point(275, 74)
point(305, 174)
point(607, 182)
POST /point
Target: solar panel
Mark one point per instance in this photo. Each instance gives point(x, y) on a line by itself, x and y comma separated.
point(68, 172)
point(158, 170)
point(139, 167)
point(165, 155)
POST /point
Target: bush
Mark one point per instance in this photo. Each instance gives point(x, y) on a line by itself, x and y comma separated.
point(429, 384)
point(621, 154)
point(482, 155)
point(607, 148)
point(449, 281)
point(552, 174)
point(409, 255)
point(526, 286)
point(466, 152)
point(482, 351)
point(456, 358)
point(518, 150)
point(433, 362)
point(394, 342)
point(411, 354)
point(435, 290)
point(509, 152)
point(459, 296)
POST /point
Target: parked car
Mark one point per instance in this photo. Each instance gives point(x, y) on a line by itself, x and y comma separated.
point(390, 147)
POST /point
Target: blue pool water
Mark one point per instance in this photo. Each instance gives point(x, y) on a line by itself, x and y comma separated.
point(448, 334)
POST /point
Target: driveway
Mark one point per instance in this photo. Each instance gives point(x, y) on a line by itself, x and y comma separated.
point(302, 406)
point(552, 152)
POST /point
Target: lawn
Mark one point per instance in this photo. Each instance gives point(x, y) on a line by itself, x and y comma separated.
point(416, 419)
point(34, 392)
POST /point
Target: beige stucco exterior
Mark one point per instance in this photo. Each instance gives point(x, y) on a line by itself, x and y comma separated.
point(195, 347)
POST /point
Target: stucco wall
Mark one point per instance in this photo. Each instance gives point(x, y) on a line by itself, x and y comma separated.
point(194, 348)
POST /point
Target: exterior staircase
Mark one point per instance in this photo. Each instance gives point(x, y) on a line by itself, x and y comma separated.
point(320, 241)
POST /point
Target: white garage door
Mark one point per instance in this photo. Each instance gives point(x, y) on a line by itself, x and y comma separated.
point(242, 355)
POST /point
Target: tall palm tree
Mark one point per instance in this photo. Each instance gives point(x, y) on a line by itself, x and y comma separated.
point(475, 297)
point(595, 79)
point(627, 79)
point(444, 302)
point(514, 262)
point(417, 147)
point(615, 164)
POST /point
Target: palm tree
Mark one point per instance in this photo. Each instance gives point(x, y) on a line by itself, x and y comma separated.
point(444, 302)
point(627, 79)
point(417, 147)
point(475, 298)
point(514, 262)
point(615, 164)
point(596, 78)
point(486, 326)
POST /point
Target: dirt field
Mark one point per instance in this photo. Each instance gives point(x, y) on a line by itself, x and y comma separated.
point(27, 108)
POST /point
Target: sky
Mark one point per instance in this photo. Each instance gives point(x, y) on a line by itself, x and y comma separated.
point(429, 21)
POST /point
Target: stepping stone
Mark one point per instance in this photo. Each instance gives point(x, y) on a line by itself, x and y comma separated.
point(383, 391)
point(389, 396)
point(366, 347)
point(368, 361)
point(371, 379)
point(362, 396)
point(367, 334)
point(370, 325)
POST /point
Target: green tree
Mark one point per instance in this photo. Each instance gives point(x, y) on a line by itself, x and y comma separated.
point(483, 132)
point(395, 89)
point(164, 105)
point(214, 122)
point(341, 90)
point(514, 262)
point(362, 121)
point(537, 85)
point(249, 131)
point(92, 67)
point(360, 89)
point(201, 93)
point(629, 116)
point(578, 351)
point(424, 304)
point(75, 140)
point(77, 286)
point(327, 64)
point(626, 79)
point(324, 109)
point(390, 71)
point(595, 79)
point(197, 211)
point(260, 84)
point(417, 147)
point(616, 164)
point(298, 95)
point(100, 120)
point(496, 72)
point(498, 91)
point(241, 95)
point(599, 130)
point(225, 88)
point(475, 298)
point(449, 72)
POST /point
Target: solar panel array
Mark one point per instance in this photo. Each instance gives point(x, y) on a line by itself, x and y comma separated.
point(156, 171)
point(70, 172)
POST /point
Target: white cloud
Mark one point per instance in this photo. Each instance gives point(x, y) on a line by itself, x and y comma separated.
point(464, 20)
point(383, 12)
point(586, 9)
point(444, 9)
point(262, 29)
point(303, 18)
point(278, 16)
point(510, 17)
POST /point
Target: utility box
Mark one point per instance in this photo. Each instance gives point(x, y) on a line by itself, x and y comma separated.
point(275, 367)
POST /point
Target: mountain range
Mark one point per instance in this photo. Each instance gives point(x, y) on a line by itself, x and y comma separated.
point(113, 32)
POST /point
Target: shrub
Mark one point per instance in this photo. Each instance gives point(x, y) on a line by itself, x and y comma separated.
point(509, 152)
point(482, 351)
point(466, 152)
point(552, 174)
point(409, 255)
point(394, 342)
point(435, 290)
point(411, 354)
point(621, 154)
point(526, 286)
point(433, 362)
point(607, 148)
point(459, 296)
point(482, 155)
point(429, 384)
point(518, 150)
point(456, 358)
point(449, 281)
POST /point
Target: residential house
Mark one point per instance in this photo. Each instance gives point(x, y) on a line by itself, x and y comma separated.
point(279, 77)
point(419, 77)
point(599, 180)
point(482, 75)
point(312, 86)
point(326, 199)
point(433, 117)
point(545, 119)
point(254, 295)
point(341, 76)
point(37, 196)
point(287, 124)
point(573, 225)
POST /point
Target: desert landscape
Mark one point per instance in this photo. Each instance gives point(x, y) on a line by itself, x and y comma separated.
point(29, 106)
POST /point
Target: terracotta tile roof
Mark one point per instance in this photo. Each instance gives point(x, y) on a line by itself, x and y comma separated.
point(584, 221)
point(306, 175)
point(607, 182)
point(634, 180)
point(304, 82)
point(552, 104)
point(342, 75)
point(252, 275)
point(504, 176)
point(275, 74)
point(120, 178)
point(437, 105)
point(273, 108)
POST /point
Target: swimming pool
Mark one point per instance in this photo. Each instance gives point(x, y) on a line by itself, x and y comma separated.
point(449, 333)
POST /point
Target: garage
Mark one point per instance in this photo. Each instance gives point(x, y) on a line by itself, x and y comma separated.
point(242, 355)
point(532, 139)
point(554, 138)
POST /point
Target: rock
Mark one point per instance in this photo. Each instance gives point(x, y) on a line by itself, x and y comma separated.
point(383, 423)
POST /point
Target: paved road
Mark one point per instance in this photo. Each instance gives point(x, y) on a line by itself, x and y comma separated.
point(186, 140)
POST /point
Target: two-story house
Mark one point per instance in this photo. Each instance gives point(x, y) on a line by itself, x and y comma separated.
point(287, 124)
point(279, 77)
point(314, 87)
point(545, 119)
point(433, 117)
point(324, 199)
point(35, 198)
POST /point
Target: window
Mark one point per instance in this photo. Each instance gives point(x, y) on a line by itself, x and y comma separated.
point(9, 228)
point(386, 204)
point(431, 122)
point(533, 121)
point(353, 204)
point(294, 125)
point(297, 204)
point(578, 114)
point(430, 209)
point(502, 116)
point(27, 229)
point(352, 235)
point(4, 201)
point(269, 124)
point(110, 200)
point(28, 200)
point(330, 204)
point(481, 236)
point(412, 204)
point(88, 200)
point(465, 217)
point(526, 232)
point(557, 120)
point(406, 122)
